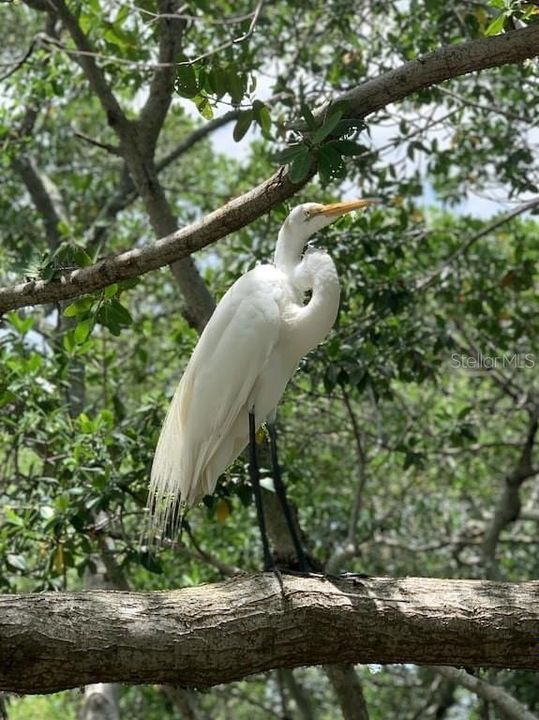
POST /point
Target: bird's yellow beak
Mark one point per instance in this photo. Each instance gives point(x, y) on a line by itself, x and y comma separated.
point(341, 208)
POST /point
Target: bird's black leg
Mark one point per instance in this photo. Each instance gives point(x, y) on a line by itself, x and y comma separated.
point(280, 490)
point(255, 480)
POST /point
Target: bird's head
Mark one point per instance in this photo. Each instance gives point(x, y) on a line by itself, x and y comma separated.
point(306, 219)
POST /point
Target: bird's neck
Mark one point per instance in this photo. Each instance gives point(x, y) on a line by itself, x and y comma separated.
point(316, 318)
point(289, 249)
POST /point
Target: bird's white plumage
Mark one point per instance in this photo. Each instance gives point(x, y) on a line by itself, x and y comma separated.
point(198, 439)
point(244, 358)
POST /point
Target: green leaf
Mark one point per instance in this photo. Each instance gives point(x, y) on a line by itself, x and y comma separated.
point(412, 457)
point(17, 562)
point(120, 312)
point(346, 125)
point(122, 15)
point(87, 426)
point(217, 80)
point(115, 35)
point(20, 323)
point(129, 283)
point(347, 147)
point(11, 517)
point(81, 257)
point(309, 117)
point(496, 26)
point(326, 165)
point(48, 272)
point(186, 81)
point(235, 84)
point(331, 156)
point(327, 128)
point(79, 307)
point(242, 125)
point(7, 397)
point(265, 121)
point(113, 315)
point(33, 363)
point(204, 106)
point(300, 167)
point(289, 153)
point(262, 116)
point(150, 561)
point(83, 330)
point(69, 341)
point(110, 291)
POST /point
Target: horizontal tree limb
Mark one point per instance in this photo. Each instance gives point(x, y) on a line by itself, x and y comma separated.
point(445, 63)
point(448, 62)
point(225, 631)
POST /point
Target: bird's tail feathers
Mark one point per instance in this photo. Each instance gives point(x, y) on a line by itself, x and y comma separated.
point(170, 479)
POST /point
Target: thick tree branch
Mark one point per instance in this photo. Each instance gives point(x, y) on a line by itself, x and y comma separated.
point(137, 146)
point(448, 62)
point(93, 72)
point(152, 115)
point(221, 632)
point(126, 192)
point(443, 64)
point(233, 216)
point(347, 687)
point(45, 196)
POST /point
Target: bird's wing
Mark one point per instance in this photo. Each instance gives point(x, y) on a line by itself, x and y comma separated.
point(217, 384)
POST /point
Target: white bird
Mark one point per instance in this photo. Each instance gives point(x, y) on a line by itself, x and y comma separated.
point(244, 358)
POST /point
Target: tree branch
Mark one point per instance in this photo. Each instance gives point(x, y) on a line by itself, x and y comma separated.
point(233, 216)
point(45, 196)
point(448, 62)
point(137, 148)
point(508, 506)
point(195, 136)
point(427, 281)
point(225, 631)
point(93, 72)
point(347, 687)
point(152, 116)
point(443, 64)
point(511, 708)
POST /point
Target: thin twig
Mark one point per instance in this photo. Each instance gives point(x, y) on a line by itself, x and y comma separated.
point(17, 64)
point(158, 65)
point(112, 149)
point(429, 279)
point(487, 108)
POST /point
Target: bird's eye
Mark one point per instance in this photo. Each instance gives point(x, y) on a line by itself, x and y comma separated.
point(307, 214)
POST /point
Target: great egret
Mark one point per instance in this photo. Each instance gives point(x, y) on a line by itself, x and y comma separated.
point(239, 369)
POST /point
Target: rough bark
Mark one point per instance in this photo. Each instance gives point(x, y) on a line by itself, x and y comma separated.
point(443, 64)
point(448, 62)
point(222, 632)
